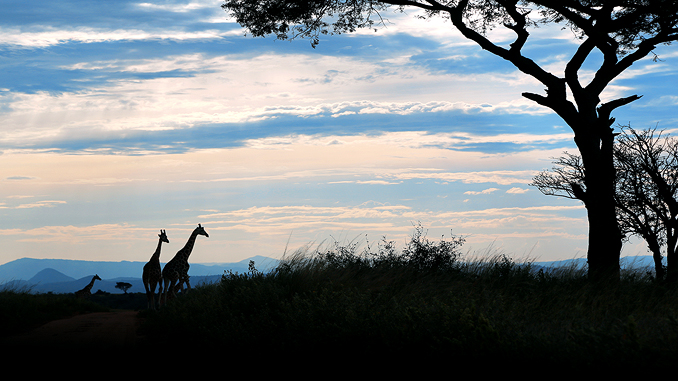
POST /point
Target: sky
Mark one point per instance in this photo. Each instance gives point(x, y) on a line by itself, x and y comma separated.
point(121, 118)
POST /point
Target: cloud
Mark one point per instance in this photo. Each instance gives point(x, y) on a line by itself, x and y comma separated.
point(178, 8)
point(506, 177)
point(410, 139)
point(485, 191)
point(177, 91)
point(40, 204)
point(371, 182)
point(392, 158)
point(368, 214)
point(276, 220)
point(87, 35)
point(516, 190)
point(78, 234)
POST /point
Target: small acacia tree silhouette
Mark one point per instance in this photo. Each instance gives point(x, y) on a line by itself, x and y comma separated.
point(124, 286)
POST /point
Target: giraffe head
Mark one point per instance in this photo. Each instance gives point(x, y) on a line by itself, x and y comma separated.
point(201, 231)
point(96, 277)
point(163, 236)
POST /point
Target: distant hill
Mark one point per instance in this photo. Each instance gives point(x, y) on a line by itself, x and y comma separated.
point(65, 276)
point(50, 276)
point(27, 268)
point(640, 261)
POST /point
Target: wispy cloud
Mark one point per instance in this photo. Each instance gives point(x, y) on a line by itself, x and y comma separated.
point(182, 91)
point(497, 177)
point(53, 36)
point(41, 204)
point(314, 216)
point(516, 190)
point(411, 139)
point(484, 191)
point(178, 7)
point(79, 234)
point(370, 182)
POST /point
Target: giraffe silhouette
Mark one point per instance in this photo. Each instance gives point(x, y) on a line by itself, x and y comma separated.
point(176, 270)
point(87, 291)
point(152, 274)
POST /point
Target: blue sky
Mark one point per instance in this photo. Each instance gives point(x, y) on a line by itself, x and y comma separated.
point(123, 118)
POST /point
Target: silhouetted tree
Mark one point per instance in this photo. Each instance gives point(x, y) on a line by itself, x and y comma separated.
point(123, 286)
point(646, 186)
point(649, 161)
point(622, 31)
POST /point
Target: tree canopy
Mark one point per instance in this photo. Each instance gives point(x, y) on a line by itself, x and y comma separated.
point(124, 286)
point(614, 27)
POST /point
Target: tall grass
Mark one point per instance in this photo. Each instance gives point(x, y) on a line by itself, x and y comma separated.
point(427, 300)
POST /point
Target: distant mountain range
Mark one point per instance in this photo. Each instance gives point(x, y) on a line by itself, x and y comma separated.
point(635, 262)
point(65, 276)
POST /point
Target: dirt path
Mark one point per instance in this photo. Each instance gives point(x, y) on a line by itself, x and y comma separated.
point(96, 332)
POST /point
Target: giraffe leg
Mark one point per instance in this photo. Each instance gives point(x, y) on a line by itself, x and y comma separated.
point(163, 296)
point(152, 295)
point(168, 288)
point(172, 289)
point(149, 296)
point(159, 291)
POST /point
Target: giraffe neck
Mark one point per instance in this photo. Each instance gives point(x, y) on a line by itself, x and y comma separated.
point(188, 248)
point(91, 283)
point(156, 255)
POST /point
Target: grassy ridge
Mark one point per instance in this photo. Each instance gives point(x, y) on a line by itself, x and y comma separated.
point(20, 310)
point(428, 301)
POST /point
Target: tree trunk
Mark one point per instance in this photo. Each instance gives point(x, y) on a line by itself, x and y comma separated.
point(605, 237)
point(604, 241)
point(655, 249)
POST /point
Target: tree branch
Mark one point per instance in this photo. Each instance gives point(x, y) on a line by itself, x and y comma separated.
point(575, 63)
point(605, 110)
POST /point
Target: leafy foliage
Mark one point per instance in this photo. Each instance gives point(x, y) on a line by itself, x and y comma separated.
point(303, 19)
point(620, 25)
